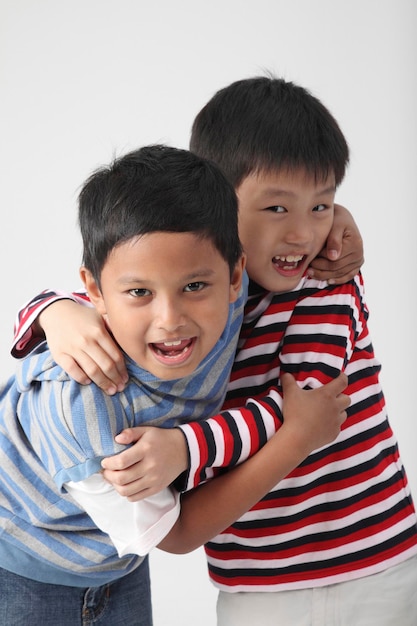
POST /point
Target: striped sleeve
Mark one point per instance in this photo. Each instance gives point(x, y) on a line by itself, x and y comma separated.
point(230, 438)
point(26, 339)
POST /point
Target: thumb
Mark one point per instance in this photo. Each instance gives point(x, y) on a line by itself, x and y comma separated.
point(288, 382)
point(338, 384)
point(334, 243)
point(130, 435)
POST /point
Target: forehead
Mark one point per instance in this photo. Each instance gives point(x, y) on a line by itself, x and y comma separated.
point(165, 254)
point(286, 181)
point(165, 240)
point(301, 174)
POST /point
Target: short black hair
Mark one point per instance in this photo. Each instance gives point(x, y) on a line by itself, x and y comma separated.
point(156, 188)
point(267, 124)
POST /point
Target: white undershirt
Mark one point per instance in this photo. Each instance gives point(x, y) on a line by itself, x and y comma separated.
point(133, 527)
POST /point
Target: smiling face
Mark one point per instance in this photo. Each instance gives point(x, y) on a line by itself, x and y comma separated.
point(165, 297)
point(284, 221)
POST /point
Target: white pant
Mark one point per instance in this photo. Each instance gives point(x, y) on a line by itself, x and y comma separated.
point(385, 599)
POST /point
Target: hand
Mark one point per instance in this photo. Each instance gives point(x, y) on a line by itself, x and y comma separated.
point(81, 344)
point(342, 257)
point(314, 415)
point(158, 457)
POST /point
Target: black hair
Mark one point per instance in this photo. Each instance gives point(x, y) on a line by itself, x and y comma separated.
point(267, 124)
point(156, 188)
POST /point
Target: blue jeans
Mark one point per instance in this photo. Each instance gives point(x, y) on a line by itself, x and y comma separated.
point(125, 602)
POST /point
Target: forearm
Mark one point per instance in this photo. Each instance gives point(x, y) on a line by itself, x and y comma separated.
point(231, 437)
point(313, 418)
point(209, 509)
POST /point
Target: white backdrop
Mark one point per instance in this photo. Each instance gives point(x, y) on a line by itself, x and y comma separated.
point(83, 80)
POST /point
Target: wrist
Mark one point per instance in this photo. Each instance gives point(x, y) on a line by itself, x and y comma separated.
point(183, 453)
point(181, 482)
point(48, 315)
point(296, 441)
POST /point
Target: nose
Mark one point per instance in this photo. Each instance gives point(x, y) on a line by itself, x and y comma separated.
point(169, 314)
point(298, 232)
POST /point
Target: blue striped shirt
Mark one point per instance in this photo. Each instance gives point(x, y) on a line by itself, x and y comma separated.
point(53, 430)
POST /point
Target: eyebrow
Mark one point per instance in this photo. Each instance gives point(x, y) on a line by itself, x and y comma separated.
point(277, 191)
point(195, 274)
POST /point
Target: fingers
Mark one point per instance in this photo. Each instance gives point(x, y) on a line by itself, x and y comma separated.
point(72, 368)
point(105, 371)
point(336, 272)
point(346, 265)
point(334, 392)
point(288, 382)
point(339, 384)
point(346, 275)
point(96, 366)
point(344, 402)
point(130, 435)
point(343, 255)
point(105, 366)
point(128, 458)
point(334, 387)
point(334, 244)
point(134, 491)
point(153, 462)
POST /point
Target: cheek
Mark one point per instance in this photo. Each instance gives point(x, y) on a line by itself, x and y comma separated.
point(123, 323)
point(217, 315)
point(247, 231)
point(323, 232)
point(255, 270)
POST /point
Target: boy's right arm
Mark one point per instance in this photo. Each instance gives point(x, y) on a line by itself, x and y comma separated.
point(209, 509)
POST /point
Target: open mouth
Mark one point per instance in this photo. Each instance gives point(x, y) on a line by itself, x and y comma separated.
point(173, 352)
point(289, 263)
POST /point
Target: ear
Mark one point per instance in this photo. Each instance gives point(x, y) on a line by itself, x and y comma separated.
point(236, 278)
point(93, 290)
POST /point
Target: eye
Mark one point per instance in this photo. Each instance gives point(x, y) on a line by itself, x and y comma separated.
point(276, 209)
point(197, 286)
point(320, 207)
point(139, 293)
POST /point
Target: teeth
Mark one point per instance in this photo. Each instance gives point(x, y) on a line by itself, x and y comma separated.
point(169, 344)
point(291, 258)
